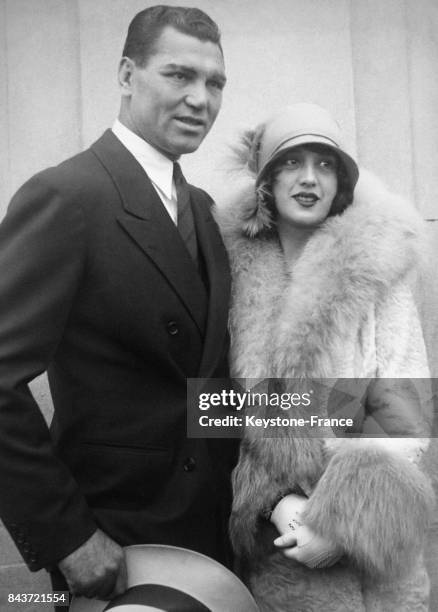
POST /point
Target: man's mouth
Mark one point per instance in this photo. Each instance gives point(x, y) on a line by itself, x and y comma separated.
point(306, 198)
point(191, 121)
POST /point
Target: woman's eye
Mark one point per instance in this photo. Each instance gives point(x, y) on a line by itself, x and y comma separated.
point(291, 162)
point(328, 164)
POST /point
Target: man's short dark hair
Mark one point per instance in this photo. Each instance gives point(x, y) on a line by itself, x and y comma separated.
point(146, 27)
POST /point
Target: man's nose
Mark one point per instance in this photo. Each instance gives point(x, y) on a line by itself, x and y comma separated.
point(308, 174)
point(197, 96)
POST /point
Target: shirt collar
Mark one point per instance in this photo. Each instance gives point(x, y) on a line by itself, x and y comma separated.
point(158, 167)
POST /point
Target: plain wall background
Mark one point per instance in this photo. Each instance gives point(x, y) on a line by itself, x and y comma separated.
point(372, 63)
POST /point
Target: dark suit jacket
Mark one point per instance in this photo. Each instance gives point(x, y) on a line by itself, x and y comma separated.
point(98, 288)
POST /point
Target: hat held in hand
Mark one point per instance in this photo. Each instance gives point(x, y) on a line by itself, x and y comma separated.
point(166, 578)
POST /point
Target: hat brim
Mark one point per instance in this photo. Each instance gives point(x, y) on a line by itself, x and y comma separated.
point(348, 162)
point(185, 570)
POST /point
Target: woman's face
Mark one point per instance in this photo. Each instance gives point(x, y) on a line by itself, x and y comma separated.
point(304, 186)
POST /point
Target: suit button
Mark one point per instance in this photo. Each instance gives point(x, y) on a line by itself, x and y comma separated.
point(172, 328)
point(189, 464)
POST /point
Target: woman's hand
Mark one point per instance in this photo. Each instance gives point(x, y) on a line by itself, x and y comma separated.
point(298, 541)
point(286, 515)
point(306, 547)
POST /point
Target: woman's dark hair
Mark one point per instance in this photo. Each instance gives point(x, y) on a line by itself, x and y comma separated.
point(344, 193)
point(146, 27)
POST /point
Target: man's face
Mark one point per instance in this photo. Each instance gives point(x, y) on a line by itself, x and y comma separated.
point(173, 100)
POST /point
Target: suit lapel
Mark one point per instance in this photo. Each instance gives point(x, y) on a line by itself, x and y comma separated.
point(216, 261)
point(150, 226)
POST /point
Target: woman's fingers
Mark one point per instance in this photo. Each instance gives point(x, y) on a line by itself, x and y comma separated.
point(286, 541)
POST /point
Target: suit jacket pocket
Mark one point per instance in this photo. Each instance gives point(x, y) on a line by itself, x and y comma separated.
point(116, 476)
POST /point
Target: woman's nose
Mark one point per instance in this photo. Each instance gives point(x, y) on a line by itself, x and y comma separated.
point(308, 175)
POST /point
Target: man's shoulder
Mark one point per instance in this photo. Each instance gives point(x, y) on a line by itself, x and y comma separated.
point(83, 165)
point(78, 174)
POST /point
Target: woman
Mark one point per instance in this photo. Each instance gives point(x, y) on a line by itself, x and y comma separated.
point(322, 270)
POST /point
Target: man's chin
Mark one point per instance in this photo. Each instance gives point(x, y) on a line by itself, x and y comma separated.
point(174, 149)
point(186, 143)
point(188, 146)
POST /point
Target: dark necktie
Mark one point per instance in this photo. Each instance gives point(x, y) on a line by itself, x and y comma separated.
point(185, 223)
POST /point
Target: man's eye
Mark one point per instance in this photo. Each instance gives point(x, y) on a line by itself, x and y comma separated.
point(179, 76)
point(217, 85)
point(291, 162)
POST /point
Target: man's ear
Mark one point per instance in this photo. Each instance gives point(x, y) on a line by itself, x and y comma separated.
point(125, 75)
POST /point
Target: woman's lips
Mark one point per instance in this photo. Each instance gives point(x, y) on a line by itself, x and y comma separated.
point(306, 199)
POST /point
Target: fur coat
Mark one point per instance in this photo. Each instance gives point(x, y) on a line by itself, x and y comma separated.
point(345, 310)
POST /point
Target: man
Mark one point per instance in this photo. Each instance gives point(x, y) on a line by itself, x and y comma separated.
point(114, 278)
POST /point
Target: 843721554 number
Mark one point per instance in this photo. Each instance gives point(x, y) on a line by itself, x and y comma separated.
point(60, 598)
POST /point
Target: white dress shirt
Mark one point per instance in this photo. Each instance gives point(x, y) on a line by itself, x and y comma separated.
point(157, 166)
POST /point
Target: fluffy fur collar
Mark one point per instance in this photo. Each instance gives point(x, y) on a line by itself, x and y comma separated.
point(349, 263)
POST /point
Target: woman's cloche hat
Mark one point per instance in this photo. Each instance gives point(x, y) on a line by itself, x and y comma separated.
point(300, 124)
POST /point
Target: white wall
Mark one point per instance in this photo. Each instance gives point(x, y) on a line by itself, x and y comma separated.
point(372, 63)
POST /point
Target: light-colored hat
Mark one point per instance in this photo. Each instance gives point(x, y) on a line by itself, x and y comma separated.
point(301, 124)
point(171, 578)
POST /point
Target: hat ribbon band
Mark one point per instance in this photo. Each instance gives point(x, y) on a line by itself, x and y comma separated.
point(278, 147)
point(159, 596)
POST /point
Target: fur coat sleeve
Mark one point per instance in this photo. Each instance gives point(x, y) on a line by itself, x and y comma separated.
point(373, 498)
point(374, 503)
